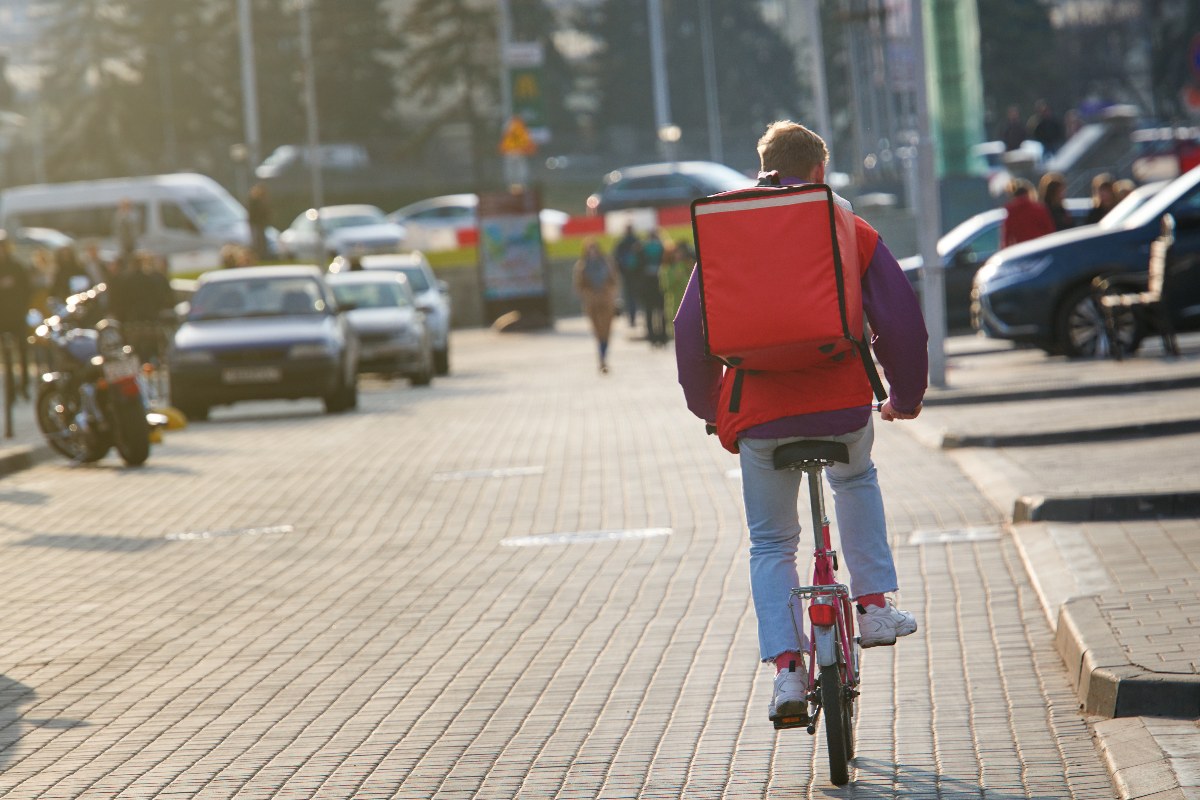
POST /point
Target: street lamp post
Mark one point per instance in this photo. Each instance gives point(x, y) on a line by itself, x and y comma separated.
point(658, 68)
point(310, 104)
point(929, 211)
point(249, 84)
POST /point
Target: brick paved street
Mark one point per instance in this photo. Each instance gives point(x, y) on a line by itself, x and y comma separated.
point(284, 604)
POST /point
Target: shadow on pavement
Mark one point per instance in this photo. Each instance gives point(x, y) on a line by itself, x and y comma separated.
point(14, 695)
point(900, 780)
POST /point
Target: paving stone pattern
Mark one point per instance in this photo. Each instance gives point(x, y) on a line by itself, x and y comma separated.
point(390, 645)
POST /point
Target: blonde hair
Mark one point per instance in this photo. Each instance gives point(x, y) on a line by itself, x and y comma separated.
point(791, 149)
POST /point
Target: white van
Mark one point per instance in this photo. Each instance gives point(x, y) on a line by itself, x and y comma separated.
point(186, 217)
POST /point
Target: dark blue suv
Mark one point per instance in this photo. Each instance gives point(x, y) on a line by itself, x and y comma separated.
point(1040, 292)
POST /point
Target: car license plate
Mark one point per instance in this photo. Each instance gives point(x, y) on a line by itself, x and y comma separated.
point(121, 369)
point(252, 375)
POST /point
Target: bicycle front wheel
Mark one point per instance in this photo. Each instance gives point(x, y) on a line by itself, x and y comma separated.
point(839, 731)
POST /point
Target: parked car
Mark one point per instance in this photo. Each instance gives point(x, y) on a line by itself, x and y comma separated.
point(430, 293)
point(436, 221)
point(1040, 292)
point(663, 185)
point(963, 251)
point(393, 338)
point(341, 230)
point(185, 216)
point(263, 333)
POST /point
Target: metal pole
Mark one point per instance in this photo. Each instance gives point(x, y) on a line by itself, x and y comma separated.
point(929, 211)
point(504, 29)
point(817, 51)
point(310, 102)
point(658, 69)
point(249, 85)
point(716, 148)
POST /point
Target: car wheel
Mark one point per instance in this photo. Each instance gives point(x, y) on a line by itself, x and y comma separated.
point(441, 361)
point(343, 398)
point(1080, 329)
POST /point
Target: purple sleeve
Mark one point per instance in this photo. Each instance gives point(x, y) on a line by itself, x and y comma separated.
point(699, 375)
point(900, 341)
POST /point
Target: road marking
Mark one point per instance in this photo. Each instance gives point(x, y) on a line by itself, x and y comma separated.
point(499, 472)
point(582, 537)
point(187, 536)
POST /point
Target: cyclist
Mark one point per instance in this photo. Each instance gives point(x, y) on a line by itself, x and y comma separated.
point(831, 401)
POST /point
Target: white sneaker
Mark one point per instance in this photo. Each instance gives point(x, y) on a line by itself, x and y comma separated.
point(880, 626)
point(788, 699)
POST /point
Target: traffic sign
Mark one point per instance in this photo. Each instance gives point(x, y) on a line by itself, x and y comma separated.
point(516, 140)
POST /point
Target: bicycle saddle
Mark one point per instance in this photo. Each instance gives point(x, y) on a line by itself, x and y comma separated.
point(811, 452)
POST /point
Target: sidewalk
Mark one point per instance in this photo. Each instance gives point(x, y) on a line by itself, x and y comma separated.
point(26, 446)
point(1095, 464)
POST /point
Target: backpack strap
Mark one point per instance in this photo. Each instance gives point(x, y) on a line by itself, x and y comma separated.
point(864, 352)
point(735, 395)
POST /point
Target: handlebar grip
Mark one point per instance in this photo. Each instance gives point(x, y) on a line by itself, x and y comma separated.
point(710, 429)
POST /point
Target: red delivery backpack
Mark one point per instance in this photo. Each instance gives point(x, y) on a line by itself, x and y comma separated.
point(775, 292)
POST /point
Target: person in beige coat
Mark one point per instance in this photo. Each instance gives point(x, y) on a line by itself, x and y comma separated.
point(596, 284)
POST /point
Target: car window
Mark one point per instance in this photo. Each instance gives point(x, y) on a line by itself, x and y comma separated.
point(303, 223)
point(642, 184)
point(258, 297)
point(86, 222)
point(416, 278)
point(372, 295)
point(986, 243)
point(174, 218)
point(1188, 206)
point(351, 220)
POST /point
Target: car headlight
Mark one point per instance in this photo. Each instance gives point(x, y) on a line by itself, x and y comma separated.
point(192, 357)
point(313, 350)
point(1015, 270)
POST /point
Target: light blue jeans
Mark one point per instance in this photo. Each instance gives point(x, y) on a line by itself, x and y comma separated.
point(771, 498)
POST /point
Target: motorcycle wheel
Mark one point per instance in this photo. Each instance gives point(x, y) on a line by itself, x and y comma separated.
point(56, 412)
point(131, 430)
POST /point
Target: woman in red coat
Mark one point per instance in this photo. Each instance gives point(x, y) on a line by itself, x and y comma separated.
point(1027, 218)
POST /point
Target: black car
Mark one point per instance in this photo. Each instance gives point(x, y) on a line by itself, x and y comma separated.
point(263, 333)
point(1040, 292)
point(664, 185)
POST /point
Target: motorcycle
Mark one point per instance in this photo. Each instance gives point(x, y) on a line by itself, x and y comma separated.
point(90, 397)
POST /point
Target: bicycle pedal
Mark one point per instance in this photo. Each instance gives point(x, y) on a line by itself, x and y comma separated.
point(784, 723)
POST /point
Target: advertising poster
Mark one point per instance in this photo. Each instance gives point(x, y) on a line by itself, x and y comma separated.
point(512, 261)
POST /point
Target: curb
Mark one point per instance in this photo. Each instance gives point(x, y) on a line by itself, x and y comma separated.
point(1140, 756)
point(21, 457)
point(1148, 430)
point(1107, 508)
point(1054, 392)
point(1107, 684)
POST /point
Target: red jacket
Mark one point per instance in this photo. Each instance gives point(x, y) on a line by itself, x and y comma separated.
point(1027, 219)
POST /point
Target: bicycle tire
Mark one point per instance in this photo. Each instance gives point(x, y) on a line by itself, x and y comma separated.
point(836, 710)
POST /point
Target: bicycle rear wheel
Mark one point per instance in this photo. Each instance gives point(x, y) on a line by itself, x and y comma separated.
point(839, 733)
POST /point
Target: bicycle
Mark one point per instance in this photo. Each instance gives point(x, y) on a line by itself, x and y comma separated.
point(833, 647)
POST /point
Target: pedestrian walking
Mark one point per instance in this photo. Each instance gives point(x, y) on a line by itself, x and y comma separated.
point(628, 253)
point(1025, 217)
point(1013, 132)
point(70, 276)
point(258, 211)
point(676, 269)
point(142, 301)
point(595, 282)
point(653, 254)
point(127, 231)
point(829, 401)
point(1104, 197)
point(16, 296)
point(93, 262)
point(1046, 128)
point(1053, 190)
